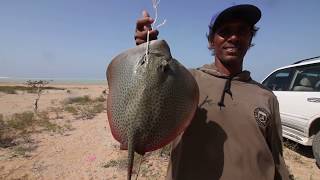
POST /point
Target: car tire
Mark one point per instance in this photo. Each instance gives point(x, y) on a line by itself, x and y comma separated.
point(316, 148)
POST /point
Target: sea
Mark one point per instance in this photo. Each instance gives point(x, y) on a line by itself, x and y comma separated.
point(21, 80)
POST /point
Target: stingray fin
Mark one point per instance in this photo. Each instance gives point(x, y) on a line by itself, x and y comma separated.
point(123, 146)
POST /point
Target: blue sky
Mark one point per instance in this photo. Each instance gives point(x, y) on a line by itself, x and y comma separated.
point(78, 38)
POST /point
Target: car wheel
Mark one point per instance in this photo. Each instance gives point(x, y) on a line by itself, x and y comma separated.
point(316, 148)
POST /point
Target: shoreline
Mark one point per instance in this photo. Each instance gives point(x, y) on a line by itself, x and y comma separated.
point(10, 81)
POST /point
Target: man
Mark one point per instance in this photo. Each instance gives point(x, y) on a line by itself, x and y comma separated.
point(236, 131)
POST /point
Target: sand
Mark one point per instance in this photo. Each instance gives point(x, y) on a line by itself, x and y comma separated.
point(88, 150)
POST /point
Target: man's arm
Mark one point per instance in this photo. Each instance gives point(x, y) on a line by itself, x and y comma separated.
point(274, 140)
point(143, 25)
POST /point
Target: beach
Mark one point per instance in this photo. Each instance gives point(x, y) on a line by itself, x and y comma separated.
point(69, 138)
point(84, 150)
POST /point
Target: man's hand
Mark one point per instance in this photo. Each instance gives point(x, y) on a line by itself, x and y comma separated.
point(143, 25)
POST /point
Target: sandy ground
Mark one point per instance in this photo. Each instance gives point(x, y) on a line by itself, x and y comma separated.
point(88, 150)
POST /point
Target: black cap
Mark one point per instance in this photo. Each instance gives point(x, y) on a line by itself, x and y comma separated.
point(249, 13)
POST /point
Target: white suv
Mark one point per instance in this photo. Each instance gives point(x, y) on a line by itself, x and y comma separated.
point(297, 88)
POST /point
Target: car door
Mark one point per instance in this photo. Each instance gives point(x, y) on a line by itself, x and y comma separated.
point(305, 94)
point(298, 95)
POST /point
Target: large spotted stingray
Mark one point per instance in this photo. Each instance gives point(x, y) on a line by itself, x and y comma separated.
point(152, 98)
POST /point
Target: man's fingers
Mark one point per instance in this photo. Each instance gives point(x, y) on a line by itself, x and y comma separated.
point(154, 34)
point(144, 22)
point(142, 27)
point(140, 41)
point(141, 36)
point(145, 13)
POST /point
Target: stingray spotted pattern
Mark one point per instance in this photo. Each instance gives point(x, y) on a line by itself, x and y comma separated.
point(151, 100)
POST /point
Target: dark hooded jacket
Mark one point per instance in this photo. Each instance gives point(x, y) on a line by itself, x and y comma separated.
point(235, 134)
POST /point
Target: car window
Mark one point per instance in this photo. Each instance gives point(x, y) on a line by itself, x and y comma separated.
point(307, 79)
point(280, 80)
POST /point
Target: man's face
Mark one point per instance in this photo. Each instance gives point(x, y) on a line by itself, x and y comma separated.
point(231, 41)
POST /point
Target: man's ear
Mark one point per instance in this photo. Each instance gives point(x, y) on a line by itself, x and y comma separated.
point(211, 44)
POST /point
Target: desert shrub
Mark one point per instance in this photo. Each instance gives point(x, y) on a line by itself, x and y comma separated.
point(84, 100)
point(100, 99)
point(23, 149)
point(53, 88)
point(84, 107)
point(49, 126)
point(78, 100)
point(68, 127)
point(57, 111)
point(8, 90)
point(44, 122)
point(90, 111)
point(86, 112)
point(15, 127)
point(98, 108)
point(6, 140)
point(21, 121)
point(14, 89)
point(71, 109)
point(113, 163)
point(2, 124)
point(19, 126)
point(122, 163)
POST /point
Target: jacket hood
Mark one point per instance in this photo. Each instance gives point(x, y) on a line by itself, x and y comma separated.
point(212, 70)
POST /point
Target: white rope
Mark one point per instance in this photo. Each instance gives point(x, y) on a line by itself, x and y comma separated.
point(155, 4)
point(148, 43)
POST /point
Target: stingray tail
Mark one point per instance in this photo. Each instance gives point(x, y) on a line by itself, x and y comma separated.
point(130, 156)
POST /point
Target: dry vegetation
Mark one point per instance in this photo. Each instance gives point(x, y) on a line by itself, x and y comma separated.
point(16, 89)
point(16, 129)
point(300, 161)
point(150, 166)
point(84, 107)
